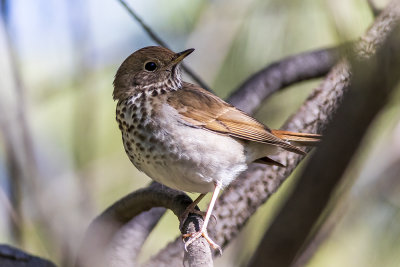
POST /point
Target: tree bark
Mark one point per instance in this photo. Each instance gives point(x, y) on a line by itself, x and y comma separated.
point(372, 82)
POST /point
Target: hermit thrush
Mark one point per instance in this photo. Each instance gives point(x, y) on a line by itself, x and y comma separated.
point(186, 137)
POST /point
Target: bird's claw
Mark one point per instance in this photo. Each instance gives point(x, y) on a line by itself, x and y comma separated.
point(203, 233)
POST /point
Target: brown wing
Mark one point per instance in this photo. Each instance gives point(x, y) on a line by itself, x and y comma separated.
point(203, 109)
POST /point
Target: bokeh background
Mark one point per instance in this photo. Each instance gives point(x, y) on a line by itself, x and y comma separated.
point(61, 156)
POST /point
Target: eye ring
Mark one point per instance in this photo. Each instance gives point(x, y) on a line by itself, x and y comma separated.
point(150, 66)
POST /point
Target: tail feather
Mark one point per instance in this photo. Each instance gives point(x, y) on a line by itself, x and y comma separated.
point(293, 140)
point(299, 139)
point(269, 161)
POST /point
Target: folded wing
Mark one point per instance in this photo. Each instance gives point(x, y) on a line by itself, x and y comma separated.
point(203, 109)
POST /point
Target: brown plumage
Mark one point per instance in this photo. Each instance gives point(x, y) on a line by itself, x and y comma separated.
point(206, 110)
point(186, 137)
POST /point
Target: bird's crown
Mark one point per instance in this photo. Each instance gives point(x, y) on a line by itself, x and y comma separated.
point(149, 67)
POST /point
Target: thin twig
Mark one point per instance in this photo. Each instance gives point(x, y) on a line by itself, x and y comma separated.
point(159, 41)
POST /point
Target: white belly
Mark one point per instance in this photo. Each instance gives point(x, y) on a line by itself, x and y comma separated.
point(201, 159)
point(183, 157)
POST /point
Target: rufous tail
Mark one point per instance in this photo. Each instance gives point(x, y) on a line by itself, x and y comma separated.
point(298, 139)
point(295, 139)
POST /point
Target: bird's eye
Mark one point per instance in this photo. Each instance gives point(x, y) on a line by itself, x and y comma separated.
point(150, 66)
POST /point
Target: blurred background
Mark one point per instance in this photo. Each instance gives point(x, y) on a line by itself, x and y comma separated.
point(61, 155)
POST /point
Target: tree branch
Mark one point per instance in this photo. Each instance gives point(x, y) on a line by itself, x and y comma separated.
point(249, 96)
point(170, 255)
point(10, 256)
point(127, 242)
point(255, 186)
point(112, 226)
point(287, 234)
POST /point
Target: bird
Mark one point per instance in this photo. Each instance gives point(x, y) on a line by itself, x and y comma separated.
point(186, 137)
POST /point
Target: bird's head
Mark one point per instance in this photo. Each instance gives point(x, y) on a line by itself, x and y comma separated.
point(151, 66)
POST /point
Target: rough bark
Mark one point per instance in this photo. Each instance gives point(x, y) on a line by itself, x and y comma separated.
point(372, 82)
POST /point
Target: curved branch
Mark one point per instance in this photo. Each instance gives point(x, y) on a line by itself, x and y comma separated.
point(170, 255)
point(309, 65)
point(328, 164)
point(159, 41)
point(127, 242)
point(118, 216)
point(10, 256)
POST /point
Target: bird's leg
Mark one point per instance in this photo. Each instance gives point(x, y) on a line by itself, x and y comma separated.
point(191, 209)
point(203, 231)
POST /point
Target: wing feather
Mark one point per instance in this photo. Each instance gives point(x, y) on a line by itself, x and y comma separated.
point(203, 109)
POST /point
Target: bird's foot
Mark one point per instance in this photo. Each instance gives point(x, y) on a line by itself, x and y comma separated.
point(202, 233)
point(191, 209)
point(188, 210)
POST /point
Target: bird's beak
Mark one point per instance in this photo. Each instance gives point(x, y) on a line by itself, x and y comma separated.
point(181, 55)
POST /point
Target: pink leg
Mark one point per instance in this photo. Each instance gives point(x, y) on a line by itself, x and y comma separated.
point(203, 231)
point(191, 209)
